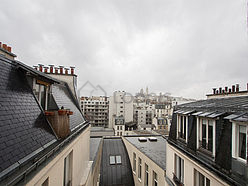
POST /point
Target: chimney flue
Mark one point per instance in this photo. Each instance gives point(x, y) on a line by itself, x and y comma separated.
point(61, 69)
point(45, 69)
point(51, 68)
point(72, 70)
point(233, 88)
point(226, 89)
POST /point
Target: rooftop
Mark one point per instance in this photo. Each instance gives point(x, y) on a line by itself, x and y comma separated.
point(155, 150)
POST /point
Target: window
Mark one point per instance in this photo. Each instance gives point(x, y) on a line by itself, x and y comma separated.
point(46, 182)
point(242, 141)
point(120, 127)
point(139, 168)
point(200, 179)
point(134, 162)
point(112, 160)
point(155, 179)
point(207, 133)
point(179, 169)
point(118, 159)
point(117, 127)
point(68, 170)
point(182, 127)
point(41, 93)
point(146, 175)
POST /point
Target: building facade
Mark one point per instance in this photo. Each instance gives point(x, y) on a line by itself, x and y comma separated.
point(96, 110)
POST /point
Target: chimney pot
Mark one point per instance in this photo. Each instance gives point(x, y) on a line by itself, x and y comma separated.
point(217, 91)
point(45, 69)
point(0, 44)
point(233, 88)
point(220, 90)
point(226, 89)
point(51, 68)
point(230, 90)
point(61, 69)
point(214, 90)
point(56, 70)
point(237, 87)
point(4, 46)
point(72, 70)
point(41, 67)
point(66, 71)
point(9, 49)
point(35, 67)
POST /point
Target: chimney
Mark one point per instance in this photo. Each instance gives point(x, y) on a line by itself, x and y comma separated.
point(233, 88)
point(214, 90)
point(46, 69)
point(217, 92)
point(51, 69)
point(66, 71)
point(72, 70)
point(61, 69)
point(5, 47)
point(41, 67)
point(237, 87)
point(220, 90)
point(56, 70)
point(230, 90)
point(5, 50)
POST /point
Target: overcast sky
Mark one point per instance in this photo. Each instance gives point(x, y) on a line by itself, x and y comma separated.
point(177, 46)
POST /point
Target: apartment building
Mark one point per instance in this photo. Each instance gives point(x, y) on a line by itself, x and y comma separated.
point(43, 134)
point(147, 156)
point(207, 143)
point(96, 110)
point(120, 108)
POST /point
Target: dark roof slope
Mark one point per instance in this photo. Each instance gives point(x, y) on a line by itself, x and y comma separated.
point(64, 98)
point(23, 127)
point(155, 150)
point(120, 174)
point(231, 104)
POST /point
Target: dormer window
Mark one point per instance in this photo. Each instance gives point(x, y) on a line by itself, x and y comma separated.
point(239, 141)
point(41, 90)
point(182, 127)
point(206, 134)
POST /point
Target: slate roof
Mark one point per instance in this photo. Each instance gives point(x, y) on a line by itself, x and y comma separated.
point(23, 127)
point(24, 131)
point(231, 104)
point(155, 150)
point(120, 174)
point(63, 97)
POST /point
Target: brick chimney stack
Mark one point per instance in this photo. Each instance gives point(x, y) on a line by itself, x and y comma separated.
point(6, 51)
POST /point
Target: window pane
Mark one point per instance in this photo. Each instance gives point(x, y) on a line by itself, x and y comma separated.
point(118, 159)
point(42, 96)
point(203, 135)
point(201, 180)
point(207, 182)
point(112, 160)
point(184, 127)
point(210, 138)
point(181, 127)
point(242, 142)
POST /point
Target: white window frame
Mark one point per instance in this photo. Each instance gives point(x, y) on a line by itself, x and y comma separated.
point(179, 170)
point(134, 162)
point(235, 140)
point(196, 178)
point(146, 176)
point(139, 168)
point(185, 117)
point(199, 133)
